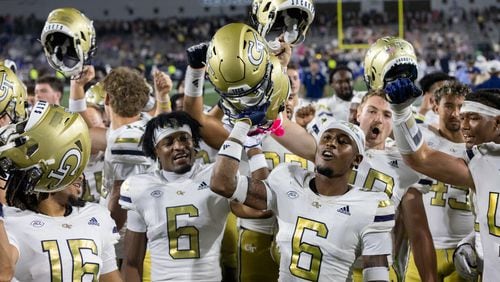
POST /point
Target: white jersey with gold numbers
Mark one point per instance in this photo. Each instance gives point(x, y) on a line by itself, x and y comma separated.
point(93, 178)
point(183, 221)
point(319, 236)
point(123, 156)
point(448, 208)
point(77, 247)
point(385, 171)
point(484, 165)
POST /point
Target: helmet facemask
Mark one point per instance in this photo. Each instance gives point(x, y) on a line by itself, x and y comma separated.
point(280, 21)
point(255, 99)
point(68, 40)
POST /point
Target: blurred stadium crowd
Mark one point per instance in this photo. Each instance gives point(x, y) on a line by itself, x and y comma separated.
point(141, 43)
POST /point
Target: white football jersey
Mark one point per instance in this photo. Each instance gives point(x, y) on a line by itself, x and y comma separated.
point(484, 166)
point(336, 107)
point(93, 177)
point(275, 154)
point(123, 156)
point(77, 247)
point(448, 208)
point(206, 154)
point(183, 220)
point(320, 237)
point(385, 171)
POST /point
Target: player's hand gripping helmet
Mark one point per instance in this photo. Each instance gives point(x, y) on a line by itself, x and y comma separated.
point(68, 39)
point(51, 149)
point(241, 70)
point(96, 94)
point(387, 59)
point(290, 18)
point(12, 95)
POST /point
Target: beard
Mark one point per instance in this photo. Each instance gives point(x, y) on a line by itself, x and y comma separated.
point(183, 169)
point(75, 201)
point(325, 171)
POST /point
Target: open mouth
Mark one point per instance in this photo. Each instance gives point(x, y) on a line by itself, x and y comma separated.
point(374, 132)
point(327, 155)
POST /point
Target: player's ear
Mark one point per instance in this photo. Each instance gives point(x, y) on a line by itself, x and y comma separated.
point(357, 160)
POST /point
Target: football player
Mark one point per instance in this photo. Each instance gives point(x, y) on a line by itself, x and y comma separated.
point(448, 207)
point(383, 169)
point(12, 105)
point(258, 84)
point(172, 208)
point(477, 168)
point(48, 233)
point(322, 219)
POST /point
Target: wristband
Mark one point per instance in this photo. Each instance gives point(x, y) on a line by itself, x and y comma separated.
point(407, 132)
point(240, 131)
point(257, 162)
point(164, 105)
point(231, 149)
point(240, 193)
point(77, 106)
point(376, 274)
point(194, 80)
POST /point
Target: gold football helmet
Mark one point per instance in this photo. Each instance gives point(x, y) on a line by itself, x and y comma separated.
point(96, 94)
point(238, 64)
point(274, 98)
point(68, 39)
point(53, 148)
point(387, 59)
point(13, 95)
point(290, 18)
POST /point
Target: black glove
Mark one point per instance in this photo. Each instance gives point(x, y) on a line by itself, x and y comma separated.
point(402, 92)
point(197, 55)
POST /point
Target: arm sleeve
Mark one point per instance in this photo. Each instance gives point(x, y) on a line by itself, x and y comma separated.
point(135, 222)
point(376, 236)
point(126, 195)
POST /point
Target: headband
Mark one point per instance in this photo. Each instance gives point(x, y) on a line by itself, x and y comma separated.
point(350, 129)
point(475, 107)
point(162, 132)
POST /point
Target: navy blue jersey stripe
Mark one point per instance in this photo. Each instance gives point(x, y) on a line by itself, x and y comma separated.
point(425, 182)
point(381, 218)
point(470, 154)
point(125, 199)
point(127, 152)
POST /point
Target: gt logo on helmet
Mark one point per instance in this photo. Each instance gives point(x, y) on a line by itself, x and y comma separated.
point(64, 168)
point(5, 86)
point(259, 49)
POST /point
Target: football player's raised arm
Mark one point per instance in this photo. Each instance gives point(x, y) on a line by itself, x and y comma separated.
point(212, 130)
point(8, 253)
point(225, 180)
point(419, 235)
point(259, 171)
point(162, 86)
point(435, 164)
point(77, 102)
point(297, 140)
